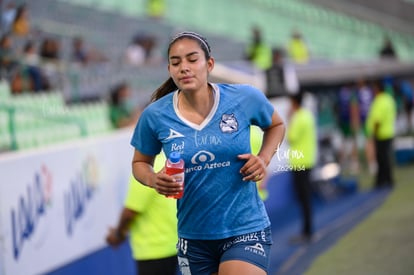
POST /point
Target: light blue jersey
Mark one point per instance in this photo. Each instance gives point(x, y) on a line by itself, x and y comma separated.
point(217, 203)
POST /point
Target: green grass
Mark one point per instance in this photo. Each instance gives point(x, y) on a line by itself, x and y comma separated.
point(384, 242)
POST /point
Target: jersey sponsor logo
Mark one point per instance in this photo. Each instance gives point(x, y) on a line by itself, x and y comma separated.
point(174, 134)
point(205, 160)
point(228, 123)
point(202, 156)
point(178, 147)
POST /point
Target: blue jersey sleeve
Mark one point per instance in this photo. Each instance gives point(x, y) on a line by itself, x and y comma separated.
point(144, 137)
point(257, 107)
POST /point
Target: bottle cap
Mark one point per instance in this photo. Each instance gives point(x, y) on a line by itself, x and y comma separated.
point(175, 156)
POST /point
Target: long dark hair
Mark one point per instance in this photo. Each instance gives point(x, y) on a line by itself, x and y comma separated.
point(169, 85)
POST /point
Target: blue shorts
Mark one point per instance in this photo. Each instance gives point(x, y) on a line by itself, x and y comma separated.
point(199, 257)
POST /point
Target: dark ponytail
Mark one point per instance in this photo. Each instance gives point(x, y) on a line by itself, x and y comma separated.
point(167, 87)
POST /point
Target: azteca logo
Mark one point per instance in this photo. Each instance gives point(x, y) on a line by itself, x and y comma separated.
point(205, 160)
point(202, 156)
point(31, 206)
point(81, 190)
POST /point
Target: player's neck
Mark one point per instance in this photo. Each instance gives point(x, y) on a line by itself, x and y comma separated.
point(197, 106)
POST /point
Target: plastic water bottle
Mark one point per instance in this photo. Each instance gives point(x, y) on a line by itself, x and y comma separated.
point(174, 166)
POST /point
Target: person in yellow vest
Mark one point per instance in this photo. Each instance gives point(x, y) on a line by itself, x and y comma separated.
point(302, 139)
point(258, 52)
point(297, 49)
point(380, 126)
point(156, 8)
point(150, 220)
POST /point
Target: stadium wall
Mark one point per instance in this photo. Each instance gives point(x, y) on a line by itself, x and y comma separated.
point(57, 203)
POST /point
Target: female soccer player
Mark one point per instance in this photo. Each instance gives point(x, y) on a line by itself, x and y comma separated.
point(223, 227)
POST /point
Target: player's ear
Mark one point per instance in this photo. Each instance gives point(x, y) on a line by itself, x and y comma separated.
point(210, 64)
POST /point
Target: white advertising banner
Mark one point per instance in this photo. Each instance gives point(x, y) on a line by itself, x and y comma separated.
point(56, 204)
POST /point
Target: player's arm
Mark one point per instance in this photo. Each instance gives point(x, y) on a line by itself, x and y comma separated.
point(272, 138)
point(142, 168)
point(255, 167)
point(119, 234)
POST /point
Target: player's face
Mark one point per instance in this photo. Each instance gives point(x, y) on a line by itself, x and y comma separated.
point(188, 66)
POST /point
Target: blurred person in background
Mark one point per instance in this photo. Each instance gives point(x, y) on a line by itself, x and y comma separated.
point(9, 12)
point(122, 111)
point(406, 91)
point(79, 54)
point(31, 63)
point(387, 50)
point(11, 68)
point(381, 128)
point(302, 139)
point(135, 54)
point(209, 124)
point(23, 70)
point(156, 8)
point(149, 220)
point(257, 52)
point(84, 56)
point(30, 55)
point(365, 97)
point(50, 52)
point(281, 77)
point(21, 23)
point(141, 50)
point(298, 49)
point(9, 58)
point(20, 82)
point(348, 119)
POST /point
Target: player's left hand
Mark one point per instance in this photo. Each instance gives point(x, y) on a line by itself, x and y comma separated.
point(254, 169)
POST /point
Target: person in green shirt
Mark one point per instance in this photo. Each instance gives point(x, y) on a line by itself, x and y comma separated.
point(302, 139)
point(150, 220)
point(380, 126)
point(122, 112)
